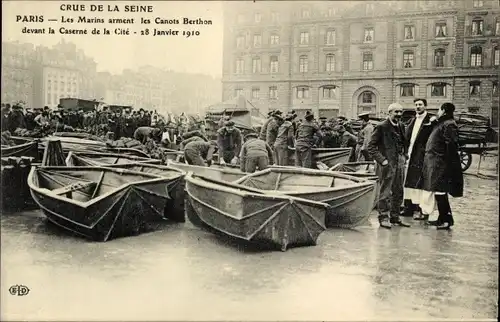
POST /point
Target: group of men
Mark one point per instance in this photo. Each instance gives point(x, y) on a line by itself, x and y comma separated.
point(278, 136)
point(418, 166)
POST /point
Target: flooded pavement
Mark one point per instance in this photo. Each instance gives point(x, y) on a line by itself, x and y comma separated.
point(182, 273)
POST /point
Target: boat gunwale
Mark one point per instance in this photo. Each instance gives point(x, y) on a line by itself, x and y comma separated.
point(154, 179)
point(104, 154)
point(239, 190)
point(359, 182)
point(18, 146)
point(223, 170)
point(85, 155)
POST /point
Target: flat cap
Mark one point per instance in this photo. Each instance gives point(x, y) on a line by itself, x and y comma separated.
point(229, 123)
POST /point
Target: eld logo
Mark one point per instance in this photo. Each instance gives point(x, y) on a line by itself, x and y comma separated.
point(19, 290)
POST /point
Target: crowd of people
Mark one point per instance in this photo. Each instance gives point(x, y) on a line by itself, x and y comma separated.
point(418, 165)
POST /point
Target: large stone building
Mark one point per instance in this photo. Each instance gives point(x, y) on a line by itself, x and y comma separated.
point(158, 89)
point(41, 76)
point(343, 58)
point(17, 73)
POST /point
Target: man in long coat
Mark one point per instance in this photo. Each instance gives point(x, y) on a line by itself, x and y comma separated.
point(387, 147)
point(284, 139)
point(364, 136)
point(416, 136)
point(441, 171)
point(308, 135)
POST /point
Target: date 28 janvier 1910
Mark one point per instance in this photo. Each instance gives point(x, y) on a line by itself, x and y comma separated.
point(170, 32)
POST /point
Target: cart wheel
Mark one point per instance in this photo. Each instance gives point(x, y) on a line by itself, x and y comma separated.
point(465, 160)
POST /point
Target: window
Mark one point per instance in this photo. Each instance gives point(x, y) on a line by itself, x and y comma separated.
point(240, 42)
point(477, 3)
point(474, 89)
point(257, 17)
point(367, 97)
point(273, 92)
point(274, 64)
point(256, 65)
point(496, 56)
point(439, 55)
point(477, 27)
point(257, 40)
point(441, 29)
point(438, 90)
point(305, 13)
point(476, 56)
point(255, 93)
point(497, 28)
point(275, 39)
point(473, 109)
point(330, 63)
point(409, 33)
point(367, 61)
point(304, 38)
point(369, 33)
point(303, 64)
point(330, 37)
point(329, 92)
point(495, 89)
point(49, 101)
point(238, 92)
point(407, 90)
point(331, 12)
point(302, 92)
point(275, 17)
point(240, 66)
point(408, 59)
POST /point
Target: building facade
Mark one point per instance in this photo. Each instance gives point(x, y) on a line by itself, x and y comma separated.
point(18, 61)
point(343, 58)
point(63, 71)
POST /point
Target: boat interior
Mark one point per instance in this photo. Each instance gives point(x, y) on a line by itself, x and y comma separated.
point(291, 180)
point(105, 159)
point(83, 184)
point(358, 167)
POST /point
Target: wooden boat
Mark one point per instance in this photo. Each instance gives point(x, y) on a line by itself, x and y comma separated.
point(100, 203)
point(217, 172)
point(80, 135)
point(350, 198)
point(251, 215)
point(28, 149)
point(77, 159)
point(363, 169)
point(328, 156)
point(175, 206)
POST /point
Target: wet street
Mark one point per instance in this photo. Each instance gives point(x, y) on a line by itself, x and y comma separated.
point(182, 273)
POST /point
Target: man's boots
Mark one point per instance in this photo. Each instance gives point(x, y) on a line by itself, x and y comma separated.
point(408, 208)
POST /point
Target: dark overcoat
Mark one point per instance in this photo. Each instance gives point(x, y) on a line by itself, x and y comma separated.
point(382, 145)
point(416, 161)
point(441, 171)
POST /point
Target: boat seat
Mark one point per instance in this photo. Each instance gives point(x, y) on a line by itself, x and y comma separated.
point(76, 186)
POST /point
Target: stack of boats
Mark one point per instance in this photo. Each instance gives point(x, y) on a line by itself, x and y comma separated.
point(103, 195)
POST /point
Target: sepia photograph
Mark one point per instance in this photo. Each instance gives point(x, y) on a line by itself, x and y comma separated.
point(249, 160)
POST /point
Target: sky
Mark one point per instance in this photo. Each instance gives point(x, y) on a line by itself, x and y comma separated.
point(113, 53)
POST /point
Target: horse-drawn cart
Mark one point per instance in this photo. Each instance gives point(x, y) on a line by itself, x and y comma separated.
point(475, 136)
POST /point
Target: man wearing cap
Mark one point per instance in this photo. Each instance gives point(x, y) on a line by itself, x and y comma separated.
point(229, 141)
point(199, 152)
point(263, 130)
point(305, 141)
point(364, 136)
point(272, 128)
point(387, 147)
point(284, 139)
point(417, 134)
point(255, 153)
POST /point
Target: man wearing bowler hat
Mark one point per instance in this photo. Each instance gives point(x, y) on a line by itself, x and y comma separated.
point(364, 136)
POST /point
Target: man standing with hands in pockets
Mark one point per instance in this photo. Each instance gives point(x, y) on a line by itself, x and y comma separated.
point(387, 147)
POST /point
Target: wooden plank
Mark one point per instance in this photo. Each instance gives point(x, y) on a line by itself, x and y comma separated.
point(79, 185)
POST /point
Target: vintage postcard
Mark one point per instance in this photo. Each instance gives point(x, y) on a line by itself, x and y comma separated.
point(249, 160)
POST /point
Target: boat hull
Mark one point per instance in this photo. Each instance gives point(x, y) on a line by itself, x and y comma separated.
point(129, 209)
point(28, 149)
point(269, 221)
point(79, 159)
point(350, 199)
